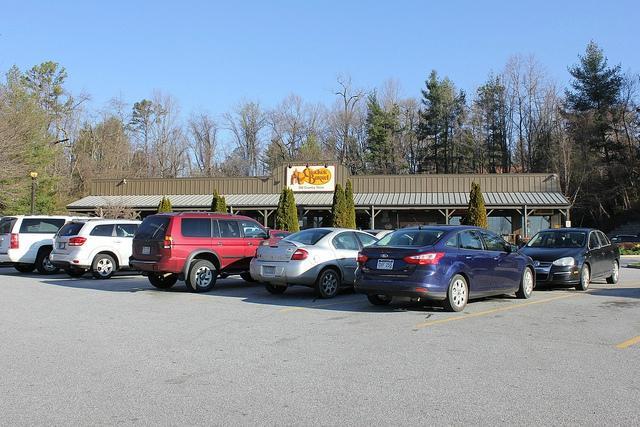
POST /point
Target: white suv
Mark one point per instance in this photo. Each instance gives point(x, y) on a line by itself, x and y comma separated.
point(26, 241)
point(100, 245)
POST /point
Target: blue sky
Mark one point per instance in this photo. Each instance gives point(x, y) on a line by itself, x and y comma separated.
point(210, 55)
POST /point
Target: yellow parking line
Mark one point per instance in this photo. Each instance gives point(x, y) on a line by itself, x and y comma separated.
point(290, 309)
point(628, 343)
point(492, 311)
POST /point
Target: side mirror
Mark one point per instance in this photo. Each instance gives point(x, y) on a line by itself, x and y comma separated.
point(508, 248)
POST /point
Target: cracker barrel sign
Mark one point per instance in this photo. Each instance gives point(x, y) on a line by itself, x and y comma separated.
point(311, 178)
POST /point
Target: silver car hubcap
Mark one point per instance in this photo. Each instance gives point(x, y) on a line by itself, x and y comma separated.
point(615, 271)
point(459, 293)
point(528, 281)
point(585, 277)
point(203, 277)
point(46, 263)
point(104, 267)
point(329, 283)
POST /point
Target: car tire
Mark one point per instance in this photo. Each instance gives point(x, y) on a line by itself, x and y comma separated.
point(25, 268)
point(379, 299)
point(275, 289)
point(75, 272)
point(527, 283)
point(43, 262)
point(585, 278)
point(202, 276)
point(457, 294)
point(328, 283)
point(103, 266)
point(162, 281)
point(246, 276)
point(615, 272)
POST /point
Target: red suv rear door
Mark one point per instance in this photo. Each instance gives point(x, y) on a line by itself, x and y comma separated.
point(230, 245)
point(195, 234)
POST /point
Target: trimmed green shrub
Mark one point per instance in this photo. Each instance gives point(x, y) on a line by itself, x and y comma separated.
point(350, 206)
point(476, 213)
point(218, 203)
point(165, 205)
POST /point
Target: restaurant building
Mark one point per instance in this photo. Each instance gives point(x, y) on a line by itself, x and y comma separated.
point(517, 204)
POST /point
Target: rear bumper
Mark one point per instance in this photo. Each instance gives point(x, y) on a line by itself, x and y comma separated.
point(10, 259)
point(285, 273)
point(400, 289)
point(155, 266)
point(67, 260)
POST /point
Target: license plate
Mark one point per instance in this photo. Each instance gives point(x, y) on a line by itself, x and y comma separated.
point(146, 250)
point(269, 270)
point(385, 264)
point(62, 245)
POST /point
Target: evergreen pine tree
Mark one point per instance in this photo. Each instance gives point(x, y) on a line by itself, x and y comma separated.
point(476, 213)
point(292, 212)
point(165, 205)
point(350, 206)
point(339, 207)
point(218, 203)
point(281, 212)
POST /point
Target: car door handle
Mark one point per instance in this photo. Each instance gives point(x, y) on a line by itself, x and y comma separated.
point(219, 243)
point(469, 256)
point(250, 244)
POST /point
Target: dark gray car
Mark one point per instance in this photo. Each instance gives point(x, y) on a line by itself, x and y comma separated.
point(573, 256)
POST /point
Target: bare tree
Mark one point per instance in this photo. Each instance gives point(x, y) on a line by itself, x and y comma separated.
point(346, 121)
point(203, 131)
point(246, 123)
point(292, 124)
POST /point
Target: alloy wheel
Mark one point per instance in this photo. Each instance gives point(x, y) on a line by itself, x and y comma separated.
point(528, 281)
point(615, 272)
point(459, 293)
point(104, 267)
point(46, 263)
point(329, 283)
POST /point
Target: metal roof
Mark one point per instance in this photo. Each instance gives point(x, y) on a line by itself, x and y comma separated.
point(310, 200)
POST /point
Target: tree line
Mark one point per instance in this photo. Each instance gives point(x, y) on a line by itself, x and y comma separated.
point(517, 121)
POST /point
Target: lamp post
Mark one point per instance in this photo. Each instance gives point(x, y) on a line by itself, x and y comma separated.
point(34, 176)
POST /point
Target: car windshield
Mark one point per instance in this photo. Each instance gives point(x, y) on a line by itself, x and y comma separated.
point(307, 237)
point(425, 237)
point(558, 239)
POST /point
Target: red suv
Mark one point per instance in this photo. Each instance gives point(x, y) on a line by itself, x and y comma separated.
point(195, 247)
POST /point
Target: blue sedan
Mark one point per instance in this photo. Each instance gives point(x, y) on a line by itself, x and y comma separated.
point(444, 263)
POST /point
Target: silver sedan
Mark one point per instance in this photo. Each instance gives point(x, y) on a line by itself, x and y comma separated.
point(322, 258)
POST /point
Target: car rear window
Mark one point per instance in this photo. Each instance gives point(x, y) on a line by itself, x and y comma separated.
point(70, 229)
point(153, 228)
point(41, 225)
point(6, 225)
point(425, 237)
point(307, 237)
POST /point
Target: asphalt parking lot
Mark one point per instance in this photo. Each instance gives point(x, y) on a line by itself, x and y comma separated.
point(120, 352)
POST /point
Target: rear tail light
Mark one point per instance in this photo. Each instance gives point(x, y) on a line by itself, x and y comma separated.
point(362, 258)
point(428, 258)
point(14, 242)
point(77, 241)
point(299, 255)
point(168, 242)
